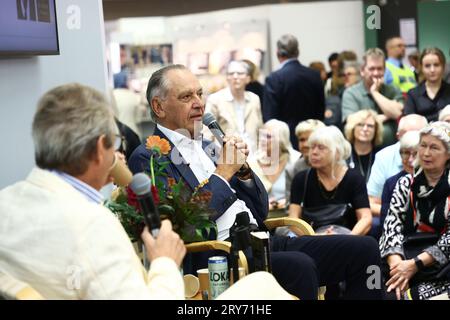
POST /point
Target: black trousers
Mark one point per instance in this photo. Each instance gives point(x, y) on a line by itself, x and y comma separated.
point(303, 264)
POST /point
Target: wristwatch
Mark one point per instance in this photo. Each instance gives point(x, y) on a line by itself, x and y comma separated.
point(419, 263)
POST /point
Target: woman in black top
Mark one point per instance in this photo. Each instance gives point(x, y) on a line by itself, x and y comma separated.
point(330, 181)
point(433, 94)
point(364, 131)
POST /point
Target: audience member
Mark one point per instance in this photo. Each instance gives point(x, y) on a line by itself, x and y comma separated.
point(413, 59)
point(254, 85)
point(274, 154)
point(301, 264)
point(408, 152)
point(444, 114)
point(294, 92)
point(419, 204)
point(388, 162)
point(330, 181)
point(371, 93)
point(320, 67)
point(303, 130)
point(351, 73)
point(237, 111)
point(333, 63)
point(396, 74)
point(364, 131)
point(433, 94)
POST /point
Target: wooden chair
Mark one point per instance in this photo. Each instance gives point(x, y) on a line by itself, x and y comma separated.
point(300, 227)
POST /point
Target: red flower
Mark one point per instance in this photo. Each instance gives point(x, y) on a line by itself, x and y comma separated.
point(132, 198)
point(155, 195)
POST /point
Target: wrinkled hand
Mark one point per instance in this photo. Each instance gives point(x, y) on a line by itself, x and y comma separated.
point(233, 156)
point(401, 272)
point(376, 85)
point(167, 244)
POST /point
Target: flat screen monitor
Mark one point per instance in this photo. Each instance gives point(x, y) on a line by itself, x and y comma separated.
point(28, 27)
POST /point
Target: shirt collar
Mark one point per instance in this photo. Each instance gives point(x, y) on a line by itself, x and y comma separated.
point(394, 61)
point(86, 190)
point(175, 137)
point(286, 62)
point(228, 96)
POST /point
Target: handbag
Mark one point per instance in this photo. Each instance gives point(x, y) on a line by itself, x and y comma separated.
point(413, 245)
point(324, 215)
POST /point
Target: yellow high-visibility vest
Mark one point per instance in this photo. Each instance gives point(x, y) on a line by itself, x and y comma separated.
point(404, 79)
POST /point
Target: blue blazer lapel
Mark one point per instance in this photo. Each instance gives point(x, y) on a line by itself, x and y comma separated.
point(181, 165)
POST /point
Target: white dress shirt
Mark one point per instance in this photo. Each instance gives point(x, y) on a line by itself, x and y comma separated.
point(203, 167)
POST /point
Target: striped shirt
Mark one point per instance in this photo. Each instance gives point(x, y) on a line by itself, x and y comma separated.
point(86, 190)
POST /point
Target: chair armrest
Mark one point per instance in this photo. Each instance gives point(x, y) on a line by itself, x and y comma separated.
point(217, 245)
point(209, 245)
point(298, 224)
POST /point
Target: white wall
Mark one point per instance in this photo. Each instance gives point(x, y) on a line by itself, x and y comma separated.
point(23, 81)
point(322, 27)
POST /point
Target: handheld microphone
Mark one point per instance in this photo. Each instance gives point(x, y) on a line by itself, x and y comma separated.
point(141, 186)
point(210, 121)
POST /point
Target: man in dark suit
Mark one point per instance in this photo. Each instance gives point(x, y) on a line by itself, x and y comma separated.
point(294, 92)
point(301, 264)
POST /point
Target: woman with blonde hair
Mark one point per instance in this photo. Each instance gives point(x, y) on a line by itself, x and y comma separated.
point(364, 131)
point(274, 154)
point(331, 182)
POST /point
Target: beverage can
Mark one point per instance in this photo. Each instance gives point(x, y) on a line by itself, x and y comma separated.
point(218, 275)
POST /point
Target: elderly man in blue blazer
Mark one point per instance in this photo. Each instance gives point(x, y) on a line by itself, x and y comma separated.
point(301, 264)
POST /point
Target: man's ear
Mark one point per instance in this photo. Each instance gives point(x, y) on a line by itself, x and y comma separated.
point(98, 154)
point(158, 108)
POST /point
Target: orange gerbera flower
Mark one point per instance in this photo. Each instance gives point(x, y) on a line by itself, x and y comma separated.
point(162, 146)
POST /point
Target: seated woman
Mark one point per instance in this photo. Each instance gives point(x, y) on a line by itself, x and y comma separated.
point(364, 131)
point(433, 94)
point(444, 114)
point(330, 181)
point(274, 154)
point(420, 204)
point(409, 143)
point(302, 131)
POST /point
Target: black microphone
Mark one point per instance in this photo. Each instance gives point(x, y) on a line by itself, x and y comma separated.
point(210, 121)
point(141, 186)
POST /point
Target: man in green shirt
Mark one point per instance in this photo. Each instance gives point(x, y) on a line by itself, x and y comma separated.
point(372, 93)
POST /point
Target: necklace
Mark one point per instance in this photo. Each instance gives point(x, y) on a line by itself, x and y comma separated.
point(369, 166)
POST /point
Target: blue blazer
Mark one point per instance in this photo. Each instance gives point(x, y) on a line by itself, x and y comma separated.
point(292, 94)
point(254, 196)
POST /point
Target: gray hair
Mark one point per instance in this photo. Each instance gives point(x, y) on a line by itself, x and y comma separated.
point(444, 113)
point(158, 85)
point(308, 125)
point(440, 130)
point(373, 53)
point(287, 46)
point(411, 122)
point(67, 125)
point(332, 138)
point(410, 140)
point(241, 63)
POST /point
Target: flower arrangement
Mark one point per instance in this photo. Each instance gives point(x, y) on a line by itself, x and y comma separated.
point(188, 210)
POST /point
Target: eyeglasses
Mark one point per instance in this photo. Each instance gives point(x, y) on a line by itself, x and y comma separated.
point(118, 142)
point(348, 74)
point(406, 154)
point(240, 74)
point(368, 125)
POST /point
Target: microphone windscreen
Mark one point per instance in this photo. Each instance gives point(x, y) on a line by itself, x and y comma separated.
point(208, 118)
point(140, 184)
